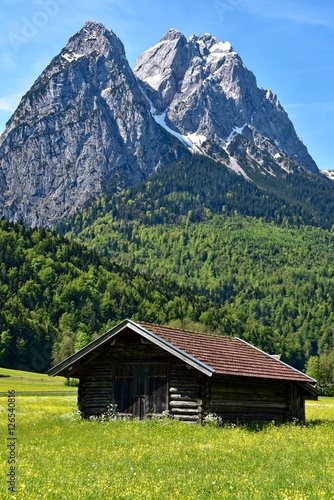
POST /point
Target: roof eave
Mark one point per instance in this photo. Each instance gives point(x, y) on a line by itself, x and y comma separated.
point(309, 380)
point(311, 390)
point(66, 363)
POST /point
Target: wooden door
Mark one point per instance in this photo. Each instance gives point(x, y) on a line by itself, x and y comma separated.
point(140, 390)
point(157, 388)
point(124, 389)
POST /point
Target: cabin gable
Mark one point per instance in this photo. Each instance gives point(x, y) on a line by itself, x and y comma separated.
point(140, 378)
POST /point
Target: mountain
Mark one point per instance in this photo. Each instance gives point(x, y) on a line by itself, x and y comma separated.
point(90, 126)
point(83, 129)
point(200, 88)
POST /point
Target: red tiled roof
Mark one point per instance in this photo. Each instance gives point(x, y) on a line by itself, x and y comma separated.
point(227, 356)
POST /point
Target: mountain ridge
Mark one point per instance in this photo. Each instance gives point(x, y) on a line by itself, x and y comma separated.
point(90, 126)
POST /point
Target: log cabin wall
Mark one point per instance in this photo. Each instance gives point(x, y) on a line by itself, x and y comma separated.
point(95, 392)
point(141, 379)
point(187, 393)
point(297, 398)
point(246, 399)
point(129, 360)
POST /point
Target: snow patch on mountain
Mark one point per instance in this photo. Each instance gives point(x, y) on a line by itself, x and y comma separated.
point(72, 57)
point(220, 47)
point(161, 120)
point(192, 141)
point(328, 173)
point(196, 140)
point(236, 130)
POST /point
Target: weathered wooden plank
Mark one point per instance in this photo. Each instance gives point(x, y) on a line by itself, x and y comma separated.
point(185, 404)
point(245, 397)
point(96, 401)
point(186, 388)
point(103, 405)
point(98, 393)
point(187, 411)
point(97, 383)
point(250, 404)
point(256, 391)
point(98, 378)
point(97, 390)
point(250, 415)
point(189, 418)
point(183, 397)
point(183, 383)
point(92, 397)
point(248, 382)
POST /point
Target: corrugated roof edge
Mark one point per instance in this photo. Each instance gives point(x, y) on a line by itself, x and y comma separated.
point(311, 380)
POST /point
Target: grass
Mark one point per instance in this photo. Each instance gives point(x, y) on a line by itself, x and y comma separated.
point(60, 456)
point(23, 381)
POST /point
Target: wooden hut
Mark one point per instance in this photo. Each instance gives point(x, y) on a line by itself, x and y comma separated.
point(148, 370)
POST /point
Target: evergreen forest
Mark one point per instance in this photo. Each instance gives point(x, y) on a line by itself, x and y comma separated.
point(197, 247)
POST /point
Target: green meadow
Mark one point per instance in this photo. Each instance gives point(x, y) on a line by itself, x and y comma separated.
point(22, 381)
point(60, 456)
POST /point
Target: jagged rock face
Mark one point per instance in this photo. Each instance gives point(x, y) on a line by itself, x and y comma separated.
point(204, 91)
point(90, 126)
point(83, 129)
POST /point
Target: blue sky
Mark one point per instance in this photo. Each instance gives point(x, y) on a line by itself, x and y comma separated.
point(288, 44)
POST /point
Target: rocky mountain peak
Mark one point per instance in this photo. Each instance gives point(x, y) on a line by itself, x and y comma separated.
point(202, 90)
point(84, 129)
point(94, 37)
point(209, 45)
point(172, 34)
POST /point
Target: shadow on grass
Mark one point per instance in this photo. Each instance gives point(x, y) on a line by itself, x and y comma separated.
point(263, 426)
point(318, 422)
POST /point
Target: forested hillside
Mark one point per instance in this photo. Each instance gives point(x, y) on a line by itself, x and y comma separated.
point(175, 250)
point(274, 273)
point(55, 296)
point(280, 278)
point(191, 188)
